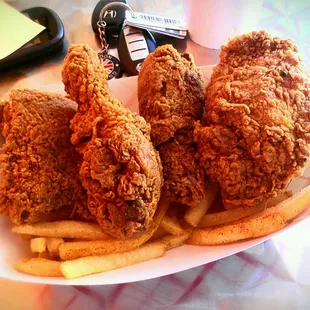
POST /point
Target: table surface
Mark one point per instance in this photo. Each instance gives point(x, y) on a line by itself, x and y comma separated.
point(273, 274)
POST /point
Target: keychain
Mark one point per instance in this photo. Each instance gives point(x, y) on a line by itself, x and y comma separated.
point(113, 16)
point(109, 62)
point(135, 42)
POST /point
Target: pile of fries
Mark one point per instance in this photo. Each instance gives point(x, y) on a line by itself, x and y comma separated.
point(73, 249)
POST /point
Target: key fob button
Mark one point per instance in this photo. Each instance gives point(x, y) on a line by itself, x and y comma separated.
point(134, 46)
point(137, 55)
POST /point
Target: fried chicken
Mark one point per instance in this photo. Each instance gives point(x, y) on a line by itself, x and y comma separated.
point(39, 164)
point(257, 133)
point(121, 170)
point(171, 99)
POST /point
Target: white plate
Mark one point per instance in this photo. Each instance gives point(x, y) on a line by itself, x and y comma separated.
point(183, 258)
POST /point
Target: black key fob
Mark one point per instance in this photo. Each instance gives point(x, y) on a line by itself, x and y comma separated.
point(113, 16)
point(134, 45)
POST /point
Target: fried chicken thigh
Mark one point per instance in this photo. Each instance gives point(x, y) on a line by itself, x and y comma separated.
point(171, 99)
point(121, 170)
point(38, 163)
point(257, 133)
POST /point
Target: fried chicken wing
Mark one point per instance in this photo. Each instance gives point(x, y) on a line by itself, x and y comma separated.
point(38, 163)
point(121, 170)
point(257, 133)
point(171, 99)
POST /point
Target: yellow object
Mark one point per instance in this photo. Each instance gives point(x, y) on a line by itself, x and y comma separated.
point(15, 30)
point(95, 264)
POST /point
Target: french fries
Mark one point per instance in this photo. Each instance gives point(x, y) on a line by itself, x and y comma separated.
point(232, 215)
point(228, 216)
point(38, 245)
point(245, 229)
point(171, 226)
point(194, 214)
point(46, 247)
point(172, 241)
point(160, 232)
point(41, 244)
point(53, 244)
point(95, 264)
point(279, 198)
point(40, 267)
point(63, 229)
point(292, 206)
point(81, 258)
point(72, 250)
point(261, 224)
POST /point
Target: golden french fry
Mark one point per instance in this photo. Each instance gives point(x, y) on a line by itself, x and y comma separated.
point(95, 264)
point(228, 216)
point(160, 232)
point(63, 229)
point(292, 206)
point(236, 214)
point(38, 245)
point(171, 226)
point(53, 245)
point(262, 225)
point(194, 214)
point(171, 242)
point(72, 250)
point(40, 267)
point(279, 198)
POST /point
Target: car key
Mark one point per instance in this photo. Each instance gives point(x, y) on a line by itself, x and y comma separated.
point(113, 17)
point(134, 45)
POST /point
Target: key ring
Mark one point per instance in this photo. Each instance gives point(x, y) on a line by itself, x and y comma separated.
point(103, 40)
point(101, 24)
point(109, 62)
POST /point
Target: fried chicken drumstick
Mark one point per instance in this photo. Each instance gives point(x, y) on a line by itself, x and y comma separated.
point(121, 170)
point(171, 99)
point(257, 137)
point(38, 163)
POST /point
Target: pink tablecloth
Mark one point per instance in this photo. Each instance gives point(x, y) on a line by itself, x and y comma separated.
point(275, 274)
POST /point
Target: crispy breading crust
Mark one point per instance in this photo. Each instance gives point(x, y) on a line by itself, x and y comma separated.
point(257, 137)
point(171, 99)
point(39, 164)
point(121, 170)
